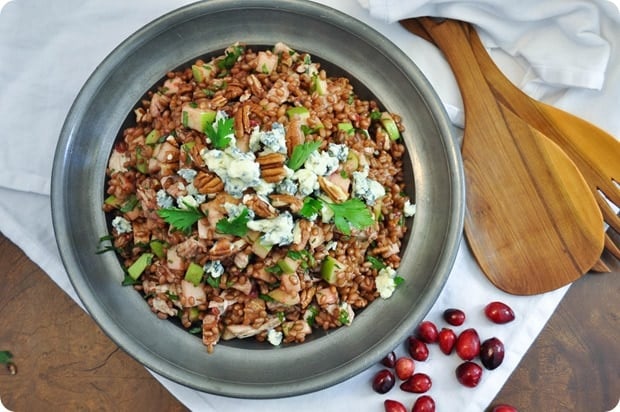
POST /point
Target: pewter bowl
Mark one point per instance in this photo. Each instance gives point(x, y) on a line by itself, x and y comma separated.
point(344, 45)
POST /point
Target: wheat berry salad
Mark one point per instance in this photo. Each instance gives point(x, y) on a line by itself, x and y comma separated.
point(256, 196)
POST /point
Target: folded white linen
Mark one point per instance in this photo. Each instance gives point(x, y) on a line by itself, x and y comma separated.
point(42, 69)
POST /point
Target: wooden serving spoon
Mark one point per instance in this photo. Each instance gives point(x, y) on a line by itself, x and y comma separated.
point(531, 221)
point(594, 151)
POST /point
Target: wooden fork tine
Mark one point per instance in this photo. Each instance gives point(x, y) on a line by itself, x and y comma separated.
point(611, 246)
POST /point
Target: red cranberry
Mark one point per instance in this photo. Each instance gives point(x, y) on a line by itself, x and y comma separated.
point(446, 340)
point(391, 405)
point(468, 344)
point(418, 349)
point(404, 368)
point(492, 353)
point(424, 404)
point(499, 312)
point(504, 408)
point(427, 332)
point(417, 383)
point(469, 373)
point(383, 381)
point(389, 360)
point(454, 317)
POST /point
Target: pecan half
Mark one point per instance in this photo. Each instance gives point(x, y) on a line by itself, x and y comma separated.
point(208, 183)
point(294, 135)
point(243, 125)
point(255, 85)
point(272, 167)
point(283, 200)
point(335, 192)
point(261, 207)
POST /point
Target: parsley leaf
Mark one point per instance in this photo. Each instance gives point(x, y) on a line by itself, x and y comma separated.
point(398, 281)
point(352, 213)
point(301, 153)
point(343, 317)
point(213, 282)
point(181, 219)
point(5, 356)
point(220, 135)
point(232, 54)
point(311, 207)
point(237, 226)
point(376, 263)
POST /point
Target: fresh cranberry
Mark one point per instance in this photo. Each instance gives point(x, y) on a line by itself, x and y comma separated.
point(446, 340)
point(454, 317)
point(492, 353)
point(469, 373)
point(383, 381)
point(427, 332)
point(468, 344)
point(417, 383)
point(404, 367)
point(504, 408)
point(389, 360)
point(418, 349)
point(499, 312)
point(391, 405)
point(424, 404)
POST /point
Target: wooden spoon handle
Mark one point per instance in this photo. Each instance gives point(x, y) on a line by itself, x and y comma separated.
point(450, 37)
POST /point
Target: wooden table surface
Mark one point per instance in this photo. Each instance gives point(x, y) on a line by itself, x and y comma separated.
point(65, 362)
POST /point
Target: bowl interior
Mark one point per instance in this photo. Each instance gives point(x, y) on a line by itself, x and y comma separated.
point(344, 46)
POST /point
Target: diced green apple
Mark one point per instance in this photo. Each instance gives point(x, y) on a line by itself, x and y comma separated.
point(137, 267)
point(197, 118)
point(390, 126)
point(330, 269)
point(202, 73)
point(194, 273)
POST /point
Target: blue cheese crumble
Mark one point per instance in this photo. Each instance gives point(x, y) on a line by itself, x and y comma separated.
point(187, 174)
point(164, 200)
point(386, 285)
point(238, 170)
point(307, 180)
point(321, 163)
point(214, 268)
point(276, 231)
point(274, 337)
point(272, 141)
point(367, 189)
point(121, 225)
point(409, 209)
point(339, 151)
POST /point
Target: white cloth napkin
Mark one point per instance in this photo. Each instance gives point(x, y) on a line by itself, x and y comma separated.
point(43, 68)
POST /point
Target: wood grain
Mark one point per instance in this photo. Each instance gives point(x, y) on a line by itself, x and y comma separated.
point(66, 363)
point(531, 221)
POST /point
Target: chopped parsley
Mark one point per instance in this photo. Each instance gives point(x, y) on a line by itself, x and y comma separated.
point(213, 282)
point(181, 219)
point(5, 356)
point(301, 152)
point(108, 248)
point(229, 60)
point(220, 135)
point(305, 258)
point(352, 213)
point(343, 317)
point(129, 281)
point(311, 207)
point(376, 263)
point(266, 297)
point(237, 226)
